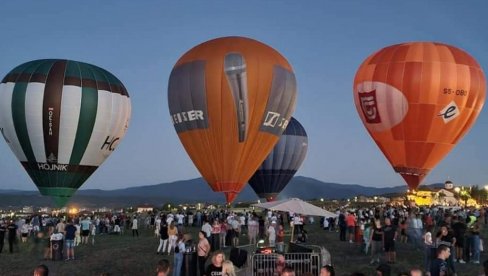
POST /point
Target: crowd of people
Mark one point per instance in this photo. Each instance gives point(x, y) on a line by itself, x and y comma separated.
point(446, 237)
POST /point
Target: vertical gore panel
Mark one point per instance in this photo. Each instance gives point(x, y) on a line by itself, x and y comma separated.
point(283, 90)
point(51, 110)
point(88, 114)
point(187, 97)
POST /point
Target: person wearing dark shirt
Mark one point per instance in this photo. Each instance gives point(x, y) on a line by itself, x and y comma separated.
point(70, 234)
point(3, 229)
point(261, 228)
point(163, 238)
point(459, 231)
point(12, 235)
point(446, 237)
point(439, 266)
point(389, 238)
point(215, 268)
point(376, 241)
point(342, 227)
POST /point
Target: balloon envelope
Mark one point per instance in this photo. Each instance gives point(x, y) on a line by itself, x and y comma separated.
point(62, 119)
point(230, 99)
point(282, 163)
point(417, 100)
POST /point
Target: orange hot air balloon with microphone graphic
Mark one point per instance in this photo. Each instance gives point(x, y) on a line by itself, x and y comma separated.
point(230, 99)
point(417, 100)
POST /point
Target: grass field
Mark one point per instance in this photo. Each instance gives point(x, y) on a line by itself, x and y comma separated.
point(125, 255)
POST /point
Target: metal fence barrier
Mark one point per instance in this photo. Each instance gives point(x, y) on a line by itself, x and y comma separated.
point(265, 264)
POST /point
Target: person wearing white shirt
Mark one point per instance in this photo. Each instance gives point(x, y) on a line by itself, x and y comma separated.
point(180, 218)
point(135, 230)
point(207, 228)
point(325, 224)
point(242, 219)
point(157, 224)
point(169, 219)
point(272, 234)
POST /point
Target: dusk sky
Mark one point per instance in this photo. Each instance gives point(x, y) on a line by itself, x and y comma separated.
point(324, 41)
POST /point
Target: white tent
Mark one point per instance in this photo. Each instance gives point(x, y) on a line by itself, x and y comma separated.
point(297, 206)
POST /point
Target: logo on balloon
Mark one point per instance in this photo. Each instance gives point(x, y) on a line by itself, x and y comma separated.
point(380, 105)
point(50, 118)
point(187, 116)
point(369, 107)
point(275, 120)
point(52, 167)
point(110, 143)
point(52, 158)
point(450, 112)
point(271, 119)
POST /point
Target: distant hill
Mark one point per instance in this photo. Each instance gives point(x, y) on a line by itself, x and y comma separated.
point(193, 190)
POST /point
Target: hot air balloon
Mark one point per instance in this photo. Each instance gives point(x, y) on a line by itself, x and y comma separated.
point(282, 163)
point(417, 100)
point(62, 119)
point(230, 99)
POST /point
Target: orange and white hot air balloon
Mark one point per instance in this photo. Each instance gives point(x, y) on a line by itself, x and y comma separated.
point(230, 99)
point(417, 100)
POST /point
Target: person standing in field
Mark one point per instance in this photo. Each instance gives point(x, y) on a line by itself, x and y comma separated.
point(215, 237)
point(223, 233)
point(236, 230)
point(60, 226)
point(163, 238)
point(85, 230)
point(172, 236)
point(178, 257)
point(439, 266)
point(12, 235)
point(389, 238)
point(202, 251)
point(280, 239)
point(77, 234)
point(24, 232)
point(207, 229)
point(70, 235)
point(271, 233)
point(3, 230)
point(135, 231)
point(93, 229)
point(252, 230)
point(351, 225)
point(342, 226)
point(376, 241)
point(446, 237)
point(429, 246)
point(215, 268)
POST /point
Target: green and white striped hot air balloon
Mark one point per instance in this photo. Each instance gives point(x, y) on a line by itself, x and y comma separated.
point(62, 119)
